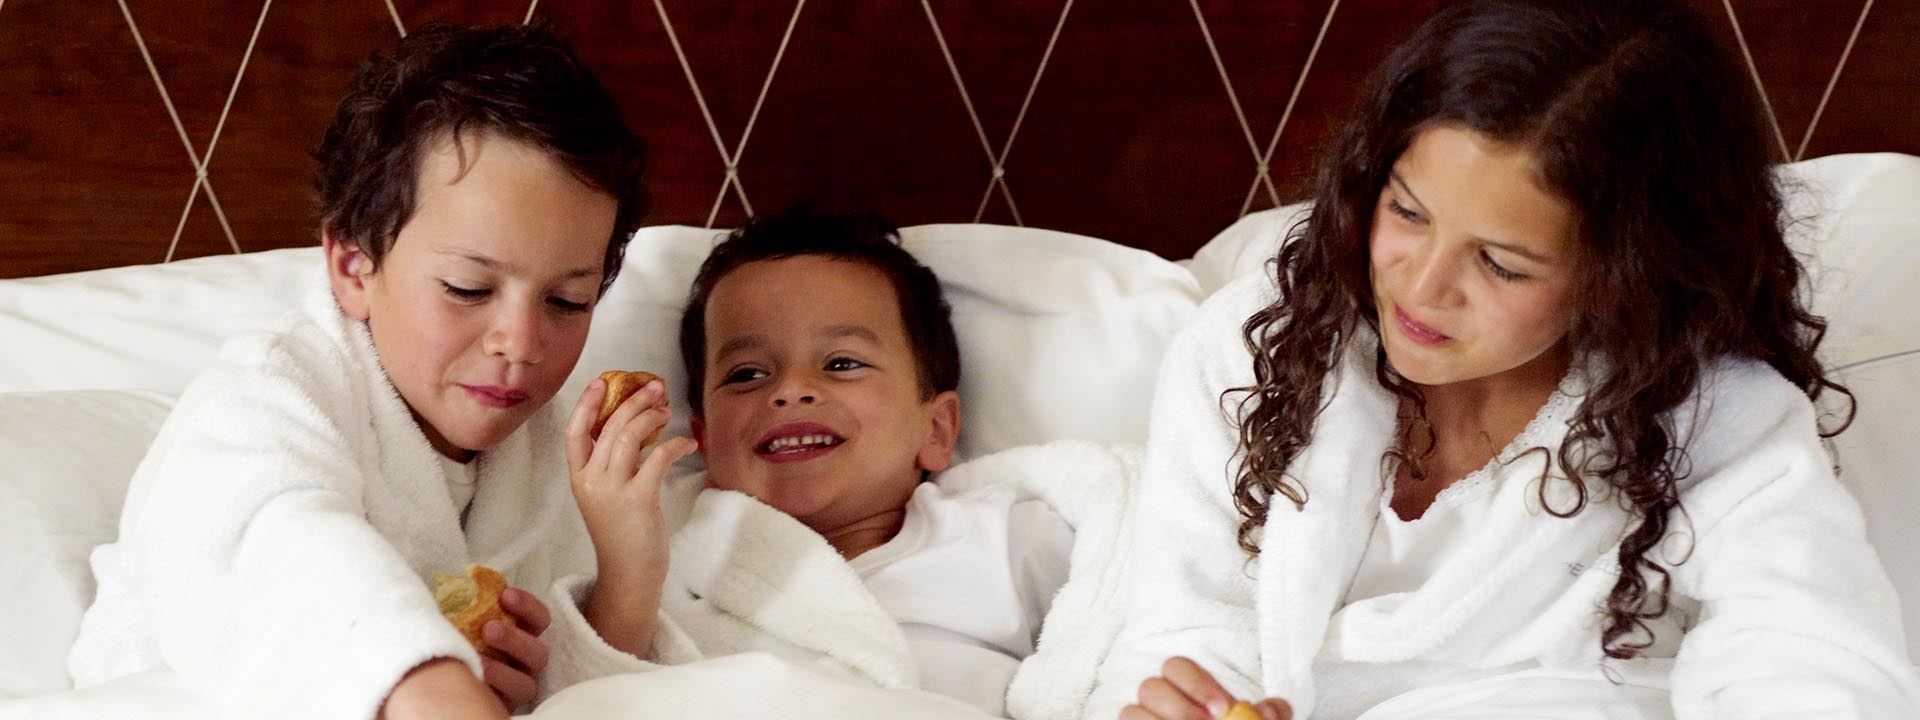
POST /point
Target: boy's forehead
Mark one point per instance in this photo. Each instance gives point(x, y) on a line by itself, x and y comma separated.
point(799, 297)
point(510, 206)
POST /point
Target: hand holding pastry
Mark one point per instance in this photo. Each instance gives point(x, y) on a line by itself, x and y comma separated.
point(615, 478)
point(503, 623)
point(517, 677)
point(616, 481)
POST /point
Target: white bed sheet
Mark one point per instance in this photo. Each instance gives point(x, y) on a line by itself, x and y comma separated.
point(739, 686)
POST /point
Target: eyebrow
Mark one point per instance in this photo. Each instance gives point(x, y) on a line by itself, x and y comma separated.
point(493, 264)
point(1402, 182)
point(747, 342)
point(859, 331)
point(737, 344)
point(1518, 250)
point(1509, 247)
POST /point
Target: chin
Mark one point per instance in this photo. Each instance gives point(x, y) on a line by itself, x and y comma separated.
point(1414, 369)
point(798, 502)
point(482, 440)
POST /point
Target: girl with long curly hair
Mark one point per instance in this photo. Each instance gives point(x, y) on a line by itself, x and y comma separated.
point(1525, 416)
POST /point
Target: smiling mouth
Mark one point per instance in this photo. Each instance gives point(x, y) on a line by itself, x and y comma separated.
point(798, 444)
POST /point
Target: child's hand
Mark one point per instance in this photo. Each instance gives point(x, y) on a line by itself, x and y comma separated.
point(517, 681)
point(617, 482)
point(1186, 691)
point(441, 688)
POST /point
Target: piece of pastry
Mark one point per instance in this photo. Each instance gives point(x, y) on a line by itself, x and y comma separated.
point(1241, 710)
point(471, 599)
point(622, 384)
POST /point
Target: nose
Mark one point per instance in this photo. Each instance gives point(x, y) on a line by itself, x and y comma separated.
point(517, 334)
point(794, 389)
point(1430, 279)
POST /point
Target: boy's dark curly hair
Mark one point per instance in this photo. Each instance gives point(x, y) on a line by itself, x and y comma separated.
point(861, 237)
point(518, 82)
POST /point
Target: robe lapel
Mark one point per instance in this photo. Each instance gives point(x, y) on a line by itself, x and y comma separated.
point(523, 497)
point(769, 570)
point(1308, 556)
point(413, 511)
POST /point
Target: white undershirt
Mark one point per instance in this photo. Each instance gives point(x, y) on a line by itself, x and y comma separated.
point(461, 478)
point(969, 578)
point(1399, 558)
point(1402, 554)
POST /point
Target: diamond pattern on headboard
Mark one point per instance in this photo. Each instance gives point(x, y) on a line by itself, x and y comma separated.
point(139, 131)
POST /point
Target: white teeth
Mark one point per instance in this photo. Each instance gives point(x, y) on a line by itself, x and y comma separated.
point(800, 442)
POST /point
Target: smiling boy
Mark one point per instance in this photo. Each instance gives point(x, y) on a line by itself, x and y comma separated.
point(823, 370)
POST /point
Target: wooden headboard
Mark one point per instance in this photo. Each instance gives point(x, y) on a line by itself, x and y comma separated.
point(1145, 122)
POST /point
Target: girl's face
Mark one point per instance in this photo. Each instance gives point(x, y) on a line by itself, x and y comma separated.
point(1473, 263)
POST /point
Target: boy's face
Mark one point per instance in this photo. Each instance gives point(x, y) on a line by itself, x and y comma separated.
point(481, 307)
point(812, 397)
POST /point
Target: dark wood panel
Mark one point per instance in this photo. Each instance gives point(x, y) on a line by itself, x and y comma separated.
point(1131, 135)
point(1876, 105)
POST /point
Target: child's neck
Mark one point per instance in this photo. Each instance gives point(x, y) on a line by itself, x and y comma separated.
point(865, 534)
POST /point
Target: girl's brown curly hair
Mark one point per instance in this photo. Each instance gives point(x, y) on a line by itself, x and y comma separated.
point(1641, 122)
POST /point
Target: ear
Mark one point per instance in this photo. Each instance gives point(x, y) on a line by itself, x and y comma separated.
point(347, 271)
point(699, 433)
point(943, 432)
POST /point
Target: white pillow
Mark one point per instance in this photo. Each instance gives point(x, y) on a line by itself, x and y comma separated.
point(1060, 335)
point(1862, 228)
point(1878, 456)
point(1864, 236)
point(148, 326)
point(68, 456)
point(1245, 246)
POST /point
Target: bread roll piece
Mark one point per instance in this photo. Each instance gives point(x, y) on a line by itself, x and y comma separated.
point(1241, 710)
point(622, 384)
point(469, 601)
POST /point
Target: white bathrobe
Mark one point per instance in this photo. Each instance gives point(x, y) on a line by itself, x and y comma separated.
point(1790, 613)
point(744, 577)
point(278, 541)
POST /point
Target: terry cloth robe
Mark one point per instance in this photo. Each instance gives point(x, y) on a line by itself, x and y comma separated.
point(278, 541)
point(744, 577)
point(1787, 610)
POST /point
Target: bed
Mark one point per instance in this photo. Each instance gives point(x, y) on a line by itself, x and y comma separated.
point(1071, 256)
point(1050, 324)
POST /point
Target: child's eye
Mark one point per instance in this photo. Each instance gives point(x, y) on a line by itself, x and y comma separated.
point(1499, 270)
point(844, 363)
point(465, 294)
point(742, 375)
point(1406, 214)
point(567, 306)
